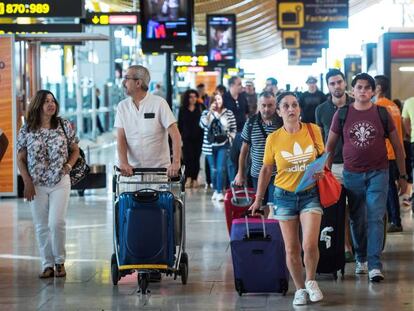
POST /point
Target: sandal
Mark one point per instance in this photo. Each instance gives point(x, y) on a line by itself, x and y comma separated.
point(60, 270)
point(47, 273)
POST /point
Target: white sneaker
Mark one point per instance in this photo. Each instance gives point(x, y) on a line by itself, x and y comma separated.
point(300, 297)
point(361, 267)
point(214, 196)
point(375, 275)
point(220, 197)
point(313, 290)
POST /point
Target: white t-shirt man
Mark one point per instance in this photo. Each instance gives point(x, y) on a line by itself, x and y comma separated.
point(146, 131)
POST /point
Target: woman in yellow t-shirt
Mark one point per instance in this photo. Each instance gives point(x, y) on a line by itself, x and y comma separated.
point(292, 148)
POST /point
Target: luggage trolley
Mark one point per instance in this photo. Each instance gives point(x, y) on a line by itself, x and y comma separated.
point(149, 226)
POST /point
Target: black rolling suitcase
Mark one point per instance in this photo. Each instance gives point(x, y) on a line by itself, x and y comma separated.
point(332, 239)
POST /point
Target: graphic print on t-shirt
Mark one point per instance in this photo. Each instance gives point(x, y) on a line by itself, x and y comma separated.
point(298, 158)
point(362, 134)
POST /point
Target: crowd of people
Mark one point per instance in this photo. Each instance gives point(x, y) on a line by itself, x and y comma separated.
point(266, 140)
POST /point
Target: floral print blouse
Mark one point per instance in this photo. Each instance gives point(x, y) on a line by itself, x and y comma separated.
point(47, 152)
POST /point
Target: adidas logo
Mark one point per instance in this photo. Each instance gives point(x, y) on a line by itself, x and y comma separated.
point(298, 158)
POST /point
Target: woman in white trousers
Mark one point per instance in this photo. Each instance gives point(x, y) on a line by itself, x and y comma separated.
point(45, 158)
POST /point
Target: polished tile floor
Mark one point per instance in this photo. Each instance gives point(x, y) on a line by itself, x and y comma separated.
point(210, 286)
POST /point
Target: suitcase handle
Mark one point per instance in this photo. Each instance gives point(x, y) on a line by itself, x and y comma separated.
point(146, 195)
point(254, 234)
point(233, 190)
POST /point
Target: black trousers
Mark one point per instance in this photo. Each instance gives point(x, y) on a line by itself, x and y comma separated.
point(191, 158)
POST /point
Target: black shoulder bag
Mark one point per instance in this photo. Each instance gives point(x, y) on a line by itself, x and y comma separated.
point(80, 169)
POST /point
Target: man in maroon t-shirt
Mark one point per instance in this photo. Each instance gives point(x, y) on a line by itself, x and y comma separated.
point(366, 172)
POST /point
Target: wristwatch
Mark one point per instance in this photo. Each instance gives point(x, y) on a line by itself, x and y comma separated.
point(405, 176)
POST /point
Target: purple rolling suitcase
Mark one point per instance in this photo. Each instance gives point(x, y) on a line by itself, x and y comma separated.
point(258, 253)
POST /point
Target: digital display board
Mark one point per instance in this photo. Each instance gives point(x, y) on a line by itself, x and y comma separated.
point(39, 28)
point(42, 8)
point(221, 40)
point(166, 25)
point(113, 18)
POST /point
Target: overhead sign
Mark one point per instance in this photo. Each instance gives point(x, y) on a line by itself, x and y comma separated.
point(39, 28)
point(113, 18)
point(190, 63)
point(305, 38)
point(8, 175)
point(402, 48)
point(305, 53)
point(42, 8)
point(312, 14)
point(303, 56)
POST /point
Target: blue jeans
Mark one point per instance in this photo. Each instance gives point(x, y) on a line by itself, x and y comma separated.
point(268, 197)
point(217, 163)
point(367, 195)
point(231, 169)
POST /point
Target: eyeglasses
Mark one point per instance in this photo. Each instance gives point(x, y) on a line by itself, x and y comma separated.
point(130, 78)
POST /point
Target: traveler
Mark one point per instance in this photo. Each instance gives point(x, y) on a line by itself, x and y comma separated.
point(143, 123)
point(254, 135)
point(45, 157)
point(382, 84)
point(310, 99)
point(235, 101)
point(408, 121)
point(221, 89)
point(159, 91)
point(324, 113)
point(192, 136)
point(202, 95)
point(366, 171)
point(271, 86)
point(292, 148)
point(98, 104)
point(251, 96)
point(219, 125)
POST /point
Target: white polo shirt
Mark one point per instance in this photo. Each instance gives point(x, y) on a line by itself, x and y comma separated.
point(146, 130)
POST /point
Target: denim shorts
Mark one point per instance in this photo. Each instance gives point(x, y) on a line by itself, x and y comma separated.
point(289, 205)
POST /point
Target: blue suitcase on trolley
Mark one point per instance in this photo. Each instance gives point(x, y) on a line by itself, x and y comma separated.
point(259, 260)
point(146, 228)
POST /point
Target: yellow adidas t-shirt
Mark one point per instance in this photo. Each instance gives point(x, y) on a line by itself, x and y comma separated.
point(292, 153)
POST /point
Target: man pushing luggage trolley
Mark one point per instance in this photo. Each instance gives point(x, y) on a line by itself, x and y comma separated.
point(144, 121)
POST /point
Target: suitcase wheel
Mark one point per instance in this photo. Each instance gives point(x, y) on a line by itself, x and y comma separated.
point(114, 270)
point(284, 286)
point(143, 280)
point(183, 268)
point(239, 286)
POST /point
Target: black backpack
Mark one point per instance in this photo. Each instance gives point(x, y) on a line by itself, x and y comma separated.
point(382, 111)
point(216, 134)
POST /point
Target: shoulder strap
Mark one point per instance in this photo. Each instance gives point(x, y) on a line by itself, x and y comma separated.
point(261, 127)
point(342, 114)
point(66, 135)
point(250, 124)
point(309, 127)
point(383, 113)
point(312, 134)
point(63, 128)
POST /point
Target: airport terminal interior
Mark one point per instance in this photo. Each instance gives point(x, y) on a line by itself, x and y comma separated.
point(80, 50)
